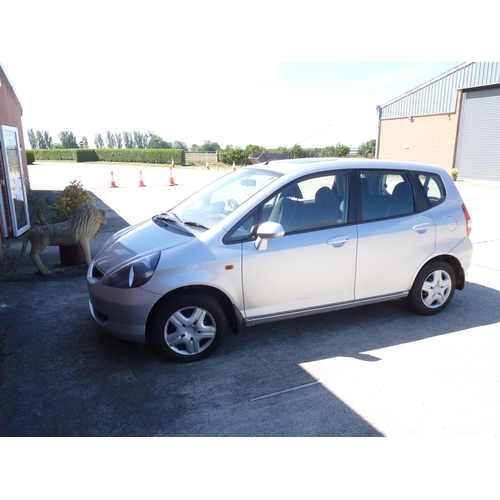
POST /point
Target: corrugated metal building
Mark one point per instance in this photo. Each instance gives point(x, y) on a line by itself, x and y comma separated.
point(450, 121)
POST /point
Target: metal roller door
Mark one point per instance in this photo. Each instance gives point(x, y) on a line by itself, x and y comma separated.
point(478, 152)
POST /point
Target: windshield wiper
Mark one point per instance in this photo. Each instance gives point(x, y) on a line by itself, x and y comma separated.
point(172, 216)
point(195, 224)
point(168, 216)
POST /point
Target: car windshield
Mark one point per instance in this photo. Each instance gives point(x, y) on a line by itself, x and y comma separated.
point(213, 203)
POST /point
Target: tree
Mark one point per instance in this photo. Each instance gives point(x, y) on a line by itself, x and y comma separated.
point(32, 138)
point(68, 140)
point(179, 145)
point(342, 150)
point(279, 150)
point(367, 149)
point(128, 139)
point(156, 142)
point(236, 155)
point(239, 156)
point(296, 151)
point(48, 139)
point(40, 140)
point(98, 141)
point(207, 146)
point(329, 151)
point(253, 148)
point(110, 140)
point(118, 140)
point(141, 140)
point(85, 142)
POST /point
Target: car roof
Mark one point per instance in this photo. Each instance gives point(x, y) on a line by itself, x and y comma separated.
point(308, 165)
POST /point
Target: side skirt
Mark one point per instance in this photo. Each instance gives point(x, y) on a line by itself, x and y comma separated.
point(257, 320)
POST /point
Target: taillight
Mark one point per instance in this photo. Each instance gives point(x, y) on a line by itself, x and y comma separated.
point(468, 220)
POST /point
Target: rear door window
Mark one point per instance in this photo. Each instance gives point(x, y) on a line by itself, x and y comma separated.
point(385, 194)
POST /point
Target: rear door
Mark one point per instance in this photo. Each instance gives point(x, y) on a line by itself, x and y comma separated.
point(395, 236)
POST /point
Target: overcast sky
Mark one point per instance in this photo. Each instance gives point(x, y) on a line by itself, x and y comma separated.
point(189, 73)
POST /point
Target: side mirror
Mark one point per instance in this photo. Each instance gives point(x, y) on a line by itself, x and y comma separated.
point(268, 230)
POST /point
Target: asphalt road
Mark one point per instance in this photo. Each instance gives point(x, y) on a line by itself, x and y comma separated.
point(372, 371)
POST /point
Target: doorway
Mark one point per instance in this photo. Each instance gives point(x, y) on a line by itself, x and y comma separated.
point(15, 189)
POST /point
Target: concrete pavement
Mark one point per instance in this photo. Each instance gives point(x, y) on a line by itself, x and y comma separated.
point(373, 371)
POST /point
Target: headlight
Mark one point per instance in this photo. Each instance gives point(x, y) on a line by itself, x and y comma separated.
point(134, 274)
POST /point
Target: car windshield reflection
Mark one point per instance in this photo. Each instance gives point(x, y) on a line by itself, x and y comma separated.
point(216, 201)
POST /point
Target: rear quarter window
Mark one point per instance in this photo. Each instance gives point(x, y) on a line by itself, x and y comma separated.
point(433, 188)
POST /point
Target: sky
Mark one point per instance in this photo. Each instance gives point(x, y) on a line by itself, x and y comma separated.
point(193, 72)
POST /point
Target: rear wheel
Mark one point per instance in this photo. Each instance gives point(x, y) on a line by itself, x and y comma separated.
point(433, 288)
point(188, 328)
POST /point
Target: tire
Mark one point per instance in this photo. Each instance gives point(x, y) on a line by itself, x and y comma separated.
point(433, 289)
point(188, 328)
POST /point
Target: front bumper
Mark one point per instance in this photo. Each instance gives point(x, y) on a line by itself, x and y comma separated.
point(122, 313)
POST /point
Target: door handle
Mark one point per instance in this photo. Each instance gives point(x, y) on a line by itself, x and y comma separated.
point(338, 241)
point(421, 228)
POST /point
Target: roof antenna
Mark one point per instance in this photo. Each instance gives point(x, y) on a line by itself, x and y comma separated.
point(314, 134)
point(324, 128)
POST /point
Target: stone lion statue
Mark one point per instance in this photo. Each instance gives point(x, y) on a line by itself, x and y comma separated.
point(81, 227)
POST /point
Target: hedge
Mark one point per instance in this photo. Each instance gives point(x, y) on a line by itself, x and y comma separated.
point(30, 157)
point(116, 155)
point(54, 154)
point(142, 155)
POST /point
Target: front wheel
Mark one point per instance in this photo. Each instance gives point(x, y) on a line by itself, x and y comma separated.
point(433, 288)
point(188, 328)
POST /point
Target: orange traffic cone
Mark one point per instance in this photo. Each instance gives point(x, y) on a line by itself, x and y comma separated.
point(206, 164)
point(141, 182)
point(172, 173)
point(113, 185)
point(234, 165)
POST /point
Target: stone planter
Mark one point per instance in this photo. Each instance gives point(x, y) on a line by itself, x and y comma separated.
point(454, 177)
point(72, 255)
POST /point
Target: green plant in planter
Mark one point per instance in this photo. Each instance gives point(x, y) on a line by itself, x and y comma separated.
point(454, 172)
point(71, 198)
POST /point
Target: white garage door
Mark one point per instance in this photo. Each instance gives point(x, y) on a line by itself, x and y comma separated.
point(478, 152)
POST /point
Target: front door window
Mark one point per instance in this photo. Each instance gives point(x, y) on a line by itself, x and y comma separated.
point(313, 264)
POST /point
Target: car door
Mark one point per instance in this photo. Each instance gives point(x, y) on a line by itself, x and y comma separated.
point(395, 237)
point(313, 264)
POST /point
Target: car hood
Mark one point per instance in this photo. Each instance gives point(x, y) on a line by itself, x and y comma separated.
point(137, 241)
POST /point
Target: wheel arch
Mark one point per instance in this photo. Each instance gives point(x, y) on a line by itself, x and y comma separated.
point(455, 264)
point(233, 318)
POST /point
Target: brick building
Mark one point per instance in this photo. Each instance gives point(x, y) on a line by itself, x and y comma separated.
point(452, 121)
point(14, 217)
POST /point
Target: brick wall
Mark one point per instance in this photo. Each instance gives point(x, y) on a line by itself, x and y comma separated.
point(10, 112)
point(422, 139)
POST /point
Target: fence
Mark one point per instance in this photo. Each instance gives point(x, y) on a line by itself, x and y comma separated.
point(194, 156)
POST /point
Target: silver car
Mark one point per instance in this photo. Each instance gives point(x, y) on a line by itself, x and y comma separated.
point(279, 240)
